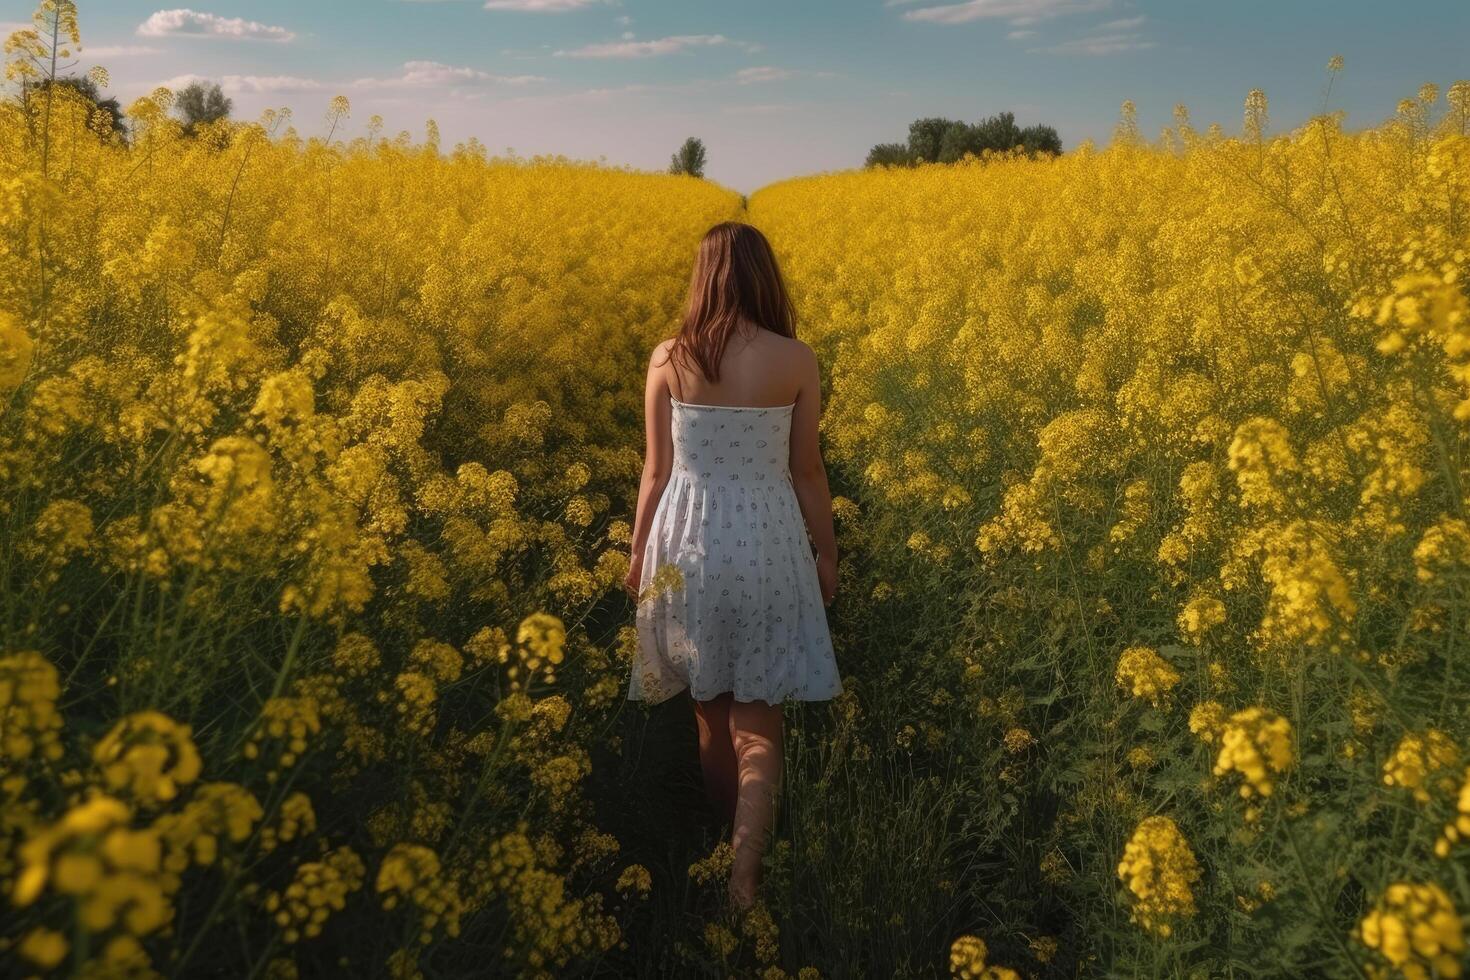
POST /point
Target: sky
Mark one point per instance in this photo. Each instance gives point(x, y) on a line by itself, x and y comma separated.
point(774, 88)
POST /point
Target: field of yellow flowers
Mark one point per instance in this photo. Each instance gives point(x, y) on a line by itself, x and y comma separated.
point(316, 464)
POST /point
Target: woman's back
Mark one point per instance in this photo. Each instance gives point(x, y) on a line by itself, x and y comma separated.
point(758, 368)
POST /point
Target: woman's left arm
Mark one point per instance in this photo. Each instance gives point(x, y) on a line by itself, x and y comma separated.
point(658, 461)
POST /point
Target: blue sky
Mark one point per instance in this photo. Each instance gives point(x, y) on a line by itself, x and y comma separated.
point(775, 88)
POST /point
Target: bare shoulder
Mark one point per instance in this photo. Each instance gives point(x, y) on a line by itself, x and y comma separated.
point(802, 356)
point(798, 351)
point(660, 355)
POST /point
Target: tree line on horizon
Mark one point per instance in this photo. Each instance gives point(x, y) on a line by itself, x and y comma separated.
point(933, 139)
point(938, 140)
point(197, 103)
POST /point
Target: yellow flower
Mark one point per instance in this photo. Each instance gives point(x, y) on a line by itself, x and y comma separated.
point(317, 889)
point(1416, 928)
point(16, 348)
point(541, 641)
point(1207, 720)
point(1459, 828)
point(438, 660)
point(967, 957)
point(44, 947)
point(1160, 869)
point(148, 756)
point(1199, 616)
point(111, 871)
point(1017, 740)
point(1146, 674)
point(967, 960)
point(288, 722)
point(1256, 743)
point(635, 880)
point(1417, 759)
point(29, 721)
point(410, 874)
point(355, 655)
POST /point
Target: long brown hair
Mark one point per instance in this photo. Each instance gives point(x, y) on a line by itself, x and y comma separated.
point(735, 276)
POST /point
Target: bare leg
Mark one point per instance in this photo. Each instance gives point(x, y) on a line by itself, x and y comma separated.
point(717, 754)
point(755, 732)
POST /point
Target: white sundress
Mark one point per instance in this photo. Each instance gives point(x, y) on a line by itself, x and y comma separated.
point(749, 618)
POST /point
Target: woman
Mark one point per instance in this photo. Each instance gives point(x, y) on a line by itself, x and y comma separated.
point(734, 495)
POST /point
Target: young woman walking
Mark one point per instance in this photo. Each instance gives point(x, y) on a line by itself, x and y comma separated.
point(735, 495)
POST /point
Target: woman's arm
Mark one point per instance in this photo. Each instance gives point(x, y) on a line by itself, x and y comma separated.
point(658, 458)
point(809, 474)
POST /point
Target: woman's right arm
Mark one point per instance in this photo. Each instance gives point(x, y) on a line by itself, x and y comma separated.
point(658, 460)
point(809, 473)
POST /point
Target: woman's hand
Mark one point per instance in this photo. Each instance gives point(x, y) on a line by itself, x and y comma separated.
point(634, 577)
point(827, 577)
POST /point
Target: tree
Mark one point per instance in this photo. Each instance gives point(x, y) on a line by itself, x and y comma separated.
point(89, 90)
point(925, 137)
point(889, 155)
point(997, 133)
point(935, 139)
point(201, 102)
point(1041, 139)
point(958, 140)
point(690, 158)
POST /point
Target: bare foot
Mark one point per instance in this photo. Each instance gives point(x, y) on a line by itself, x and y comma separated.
point(745, 877)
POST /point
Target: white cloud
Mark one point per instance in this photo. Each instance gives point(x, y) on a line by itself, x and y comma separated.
point(648, 49)
point(1017, 12)
point(432, 74)
point(1020, 35)
point(1109, 37)
point(763, 73)
point(184, 22)
point(1098, 44)
point(248, 84)
point(541, 6)
point(119, 51)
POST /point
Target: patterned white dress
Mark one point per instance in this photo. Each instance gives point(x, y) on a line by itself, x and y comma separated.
point(749, 618)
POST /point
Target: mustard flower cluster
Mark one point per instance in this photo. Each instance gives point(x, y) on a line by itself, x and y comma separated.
point(1420, 762)
point(30, 725)
point(318, 888)
point(289, 722)
point(967, 956)
point(1145, 674)
point(1160, 870)
point(1256, 743)
point(1458, 828)
point(1415, 927)
point(410, 875)
point(147, 756)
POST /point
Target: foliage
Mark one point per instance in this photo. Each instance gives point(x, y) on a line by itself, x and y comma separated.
point(200, 103)
point(938, 140)
point(1159, 455)
point(88, 89)
point(888, 155)
point(312, 529)
point(689, 159)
